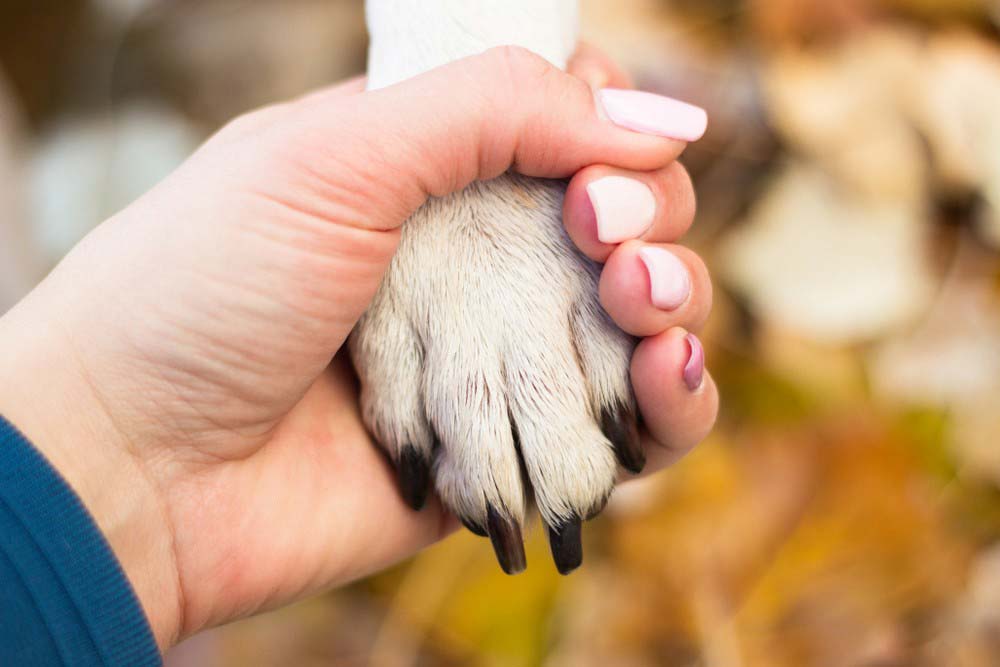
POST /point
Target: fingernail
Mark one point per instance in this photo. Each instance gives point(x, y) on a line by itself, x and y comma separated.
point(694, 370)
point(669, 282)
point(653, 114)
point(624, 208)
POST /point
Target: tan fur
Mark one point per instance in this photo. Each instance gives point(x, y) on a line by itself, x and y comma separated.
point(488, 321)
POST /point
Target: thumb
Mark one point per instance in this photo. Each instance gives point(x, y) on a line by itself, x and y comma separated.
point(474, 119)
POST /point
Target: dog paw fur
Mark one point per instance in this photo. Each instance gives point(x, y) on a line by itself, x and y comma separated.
point(490, 370)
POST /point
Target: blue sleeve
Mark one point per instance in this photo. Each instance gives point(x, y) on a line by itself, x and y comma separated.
point(64, 599)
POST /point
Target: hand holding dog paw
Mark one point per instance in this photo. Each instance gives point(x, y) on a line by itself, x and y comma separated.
point(176, 366)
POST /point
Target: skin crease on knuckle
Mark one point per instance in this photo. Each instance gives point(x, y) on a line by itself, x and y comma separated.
point(512, 72)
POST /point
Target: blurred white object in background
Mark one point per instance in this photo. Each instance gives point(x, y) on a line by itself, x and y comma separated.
point(21, 265)
point(952, 361)
point(885, 127)
point(954, 355)
point(88, 168)
point(957, 111)
point(845, 109)
point(827, 263)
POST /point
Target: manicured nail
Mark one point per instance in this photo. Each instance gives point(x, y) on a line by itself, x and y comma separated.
point(669, 282)
point(694, 370)
point(624, 208)
point(653, 114)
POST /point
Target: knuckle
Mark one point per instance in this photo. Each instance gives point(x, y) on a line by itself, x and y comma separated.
point(514, 82)
point(513, 70)
point(518, 63)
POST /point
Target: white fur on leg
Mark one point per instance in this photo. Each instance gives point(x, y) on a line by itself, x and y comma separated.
point(409, 37)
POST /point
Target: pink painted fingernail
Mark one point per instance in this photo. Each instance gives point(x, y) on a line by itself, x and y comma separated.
point(669, 282)
point(624, 208)
point(653, 114)
point(694, 370)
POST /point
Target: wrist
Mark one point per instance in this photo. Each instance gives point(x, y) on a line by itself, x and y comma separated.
point(47, 395)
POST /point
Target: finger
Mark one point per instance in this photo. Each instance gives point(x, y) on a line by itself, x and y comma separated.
point(647, 288)
point(597, 69)
point(475, 119)
point(605, 206)
point(677, 398)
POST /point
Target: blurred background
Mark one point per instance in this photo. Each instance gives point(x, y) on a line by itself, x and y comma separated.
point(846, 511)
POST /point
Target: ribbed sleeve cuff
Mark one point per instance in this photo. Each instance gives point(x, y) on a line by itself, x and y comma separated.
point(64, 599)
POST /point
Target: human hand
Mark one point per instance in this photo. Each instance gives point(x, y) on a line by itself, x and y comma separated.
point(176, 366)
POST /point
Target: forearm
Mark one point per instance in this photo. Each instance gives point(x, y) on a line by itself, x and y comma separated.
point(46, 394)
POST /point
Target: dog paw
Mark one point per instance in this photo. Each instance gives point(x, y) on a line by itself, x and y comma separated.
point(489, 369)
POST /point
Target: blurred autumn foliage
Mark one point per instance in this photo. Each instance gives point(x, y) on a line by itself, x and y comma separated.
point(845, 512)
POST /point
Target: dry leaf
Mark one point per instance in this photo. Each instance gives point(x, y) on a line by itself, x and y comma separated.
point(956, 108)
point(843, 109)
point(952, 360)
point(824, 262)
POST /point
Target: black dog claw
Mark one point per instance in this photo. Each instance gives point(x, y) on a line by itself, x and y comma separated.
point(414, 474)
point(620, 427)
point(566, 543)
point(505, 534)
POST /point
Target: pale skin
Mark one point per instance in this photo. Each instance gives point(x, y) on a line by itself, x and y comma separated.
point(176, 367)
